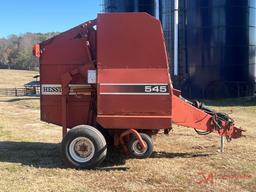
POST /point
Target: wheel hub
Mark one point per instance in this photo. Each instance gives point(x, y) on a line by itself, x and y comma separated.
point(138, 149)
point(81, 149)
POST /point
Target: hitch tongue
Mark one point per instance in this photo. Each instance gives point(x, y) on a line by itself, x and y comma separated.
point(202, 119)
point(231, 132)
point(223, 123)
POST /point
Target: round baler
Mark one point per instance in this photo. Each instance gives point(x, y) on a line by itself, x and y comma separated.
point(107, 81)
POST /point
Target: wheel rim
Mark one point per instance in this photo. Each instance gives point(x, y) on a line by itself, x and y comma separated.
point(81, 149)
point(137, 149)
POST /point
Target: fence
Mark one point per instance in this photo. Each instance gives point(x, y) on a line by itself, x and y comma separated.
point(14, 92)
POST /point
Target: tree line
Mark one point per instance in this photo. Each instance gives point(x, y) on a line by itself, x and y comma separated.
point(16, 51)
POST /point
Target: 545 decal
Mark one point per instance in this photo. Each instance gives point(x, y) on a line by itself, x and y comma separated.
point(156, 88)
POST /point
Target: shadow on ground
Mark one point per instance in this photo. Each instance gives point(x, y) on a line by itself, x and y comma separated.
point(47, 155)
point(162, 154)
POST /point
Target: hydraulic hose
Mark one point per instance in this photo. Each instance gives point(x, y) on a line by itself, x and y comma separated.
point(217, 118)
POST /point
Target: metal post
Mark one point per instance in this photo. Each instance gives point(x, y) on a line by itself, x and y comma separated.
point(222, 144)
point(176, 36)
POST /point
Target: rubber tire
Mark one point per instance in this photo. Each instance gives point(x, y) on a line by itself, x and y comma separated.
point(96, 138)
point(149, 143)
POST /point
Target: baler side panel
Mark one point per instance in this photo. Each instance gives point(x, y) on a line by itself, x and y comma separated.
point(62, 54)
point(130, 41)
point(131, 104)
point(132, 55)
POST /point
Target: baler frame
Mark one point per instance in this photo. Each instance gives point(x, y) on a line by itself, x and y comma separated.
point(67, 78)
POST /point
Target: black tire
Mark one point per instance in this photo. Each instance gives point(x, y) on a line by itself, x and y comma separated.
point(83, 147)
point(133, 147)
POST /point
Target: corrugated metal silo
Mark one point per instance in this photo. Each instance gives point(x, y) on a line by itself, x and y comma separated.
point(148, 6)
point(217, 46)
point(119, 6)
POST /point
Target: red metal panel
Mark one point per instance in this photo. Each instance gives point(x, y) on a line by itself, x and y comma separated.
point(130, 40)
point(139, 122)
point(131, 57)
point(59, 55)
point(132, 75)
point(134, 105)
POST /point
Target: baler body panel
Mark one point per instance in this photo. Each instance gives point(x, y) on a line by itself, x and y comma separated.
point(126, 69)
point(62, 54)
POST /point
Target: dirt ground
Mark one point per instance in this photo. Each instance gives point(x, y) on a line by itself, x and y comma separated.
point(183, 161)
